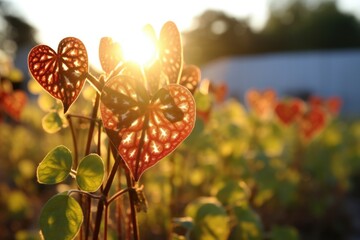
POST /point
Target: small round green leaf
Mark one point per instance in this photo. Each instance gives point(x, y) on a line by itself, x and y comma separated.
point(90, 173)
point(61, 218)
point(55, 167)
point(52, 122)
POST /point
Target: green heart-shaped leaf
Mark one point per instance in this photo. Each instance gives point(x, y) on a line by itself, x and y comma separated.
point(90, 173)
point(61, 218)
point(55, 167)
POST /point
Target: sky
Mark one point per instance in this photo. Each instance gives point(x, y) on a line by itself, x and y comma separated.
point(90, 20)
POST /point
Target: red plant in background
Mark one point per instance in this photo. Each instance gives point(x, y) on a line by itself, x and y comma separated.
point(261, 102)
point(219, 90)
point(332, 105)
point(12, 102)
point(288, 111)
point(312, 122)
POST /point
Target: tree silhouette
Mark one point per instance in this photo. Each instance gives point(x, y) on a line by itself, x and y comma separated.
point(293, 27)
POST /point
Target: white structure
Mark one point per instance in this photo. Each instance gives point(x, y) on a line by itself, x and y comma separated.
point(330, 73)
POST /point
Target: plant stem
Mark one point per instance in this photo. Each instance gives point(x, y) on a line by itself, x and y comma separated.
point(98, 85)
point(130, 185)
point(106, 216)
point(73, 135)
point(101, 203)
point(86, 200)
point(92, 123)
point(116, 195)
point(84, 193)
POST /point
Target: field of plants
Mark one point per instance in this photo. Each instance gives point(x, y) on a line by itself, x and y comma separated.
point(262, 167)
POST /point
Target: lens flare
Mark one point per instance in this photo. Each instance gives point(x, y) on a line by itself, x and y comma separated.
point(140, 48)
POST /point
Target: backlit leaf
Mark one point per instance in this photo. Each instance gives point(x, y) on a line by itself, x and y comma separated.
point(55, 167)
point(52, 122)
point(61, 218)
point(90, 173)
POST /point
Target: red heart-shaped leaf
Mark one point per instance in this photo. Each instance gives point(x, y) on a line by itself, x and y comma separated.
point(62, 74)
point(312, 123)
point(219, 90)
point(334, 105)
point(170, 51)
point(145, 128)
point(110, 54)
point(261, 102)
point(190, 77)
point(13, 103)
point(288, 111)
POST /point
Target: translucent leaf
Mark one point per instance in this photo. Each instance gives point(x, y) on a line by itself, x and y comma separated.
point(52, 122)
point(56, 166)
point(61, 218)
point(90, 173)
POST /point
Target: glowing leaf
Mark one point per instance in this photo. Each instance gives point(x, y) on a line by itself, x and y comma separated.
point(62, 74)
point(52, 122)
point(190, 77)
point(171, 54)
point(145, 128)
point(110, 54)
point(56, 166)
point(90, 173)
point(61, 218)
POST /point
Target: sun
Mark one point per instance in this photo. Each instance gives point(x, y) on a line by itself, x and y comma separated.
point(139, 46)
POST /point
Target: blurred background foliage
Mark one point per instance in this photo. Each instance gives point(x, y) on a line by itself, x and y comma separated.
point(295, 26)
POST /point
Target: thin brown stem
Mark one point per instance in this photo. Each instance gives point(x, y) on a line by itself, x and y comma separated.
point(92, 124)
point(116, 195)
point(106, 216)
point(73, 135)
point(106, 190)
point(86, 200)
point(84, 193)
point(130, 184)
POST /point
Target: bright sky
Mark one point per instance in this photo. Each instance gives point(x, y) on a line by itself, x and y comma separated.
point(90, 20)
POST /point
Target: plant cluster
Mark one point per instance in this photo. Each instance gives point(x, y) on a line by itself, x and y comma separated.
point(146, 112)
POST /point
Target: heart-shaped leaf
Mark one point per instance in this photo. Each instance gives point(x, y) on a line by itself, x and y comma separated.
point(289, 111)
point(56, 166)
point(312, 123)
point(90, 173)
point(13, 103)
point(110, 54)
point(62, 74)
point(170, 51)
point(261, 102)
point(145, 128)
point(190, 77)
point(61, 218)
